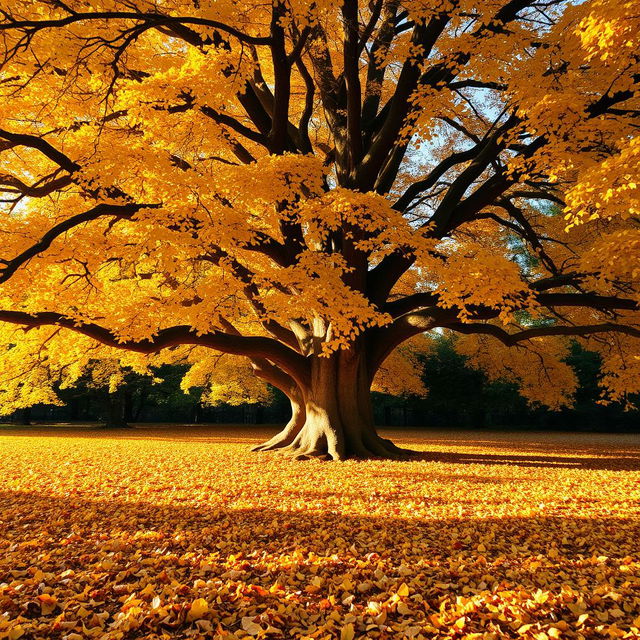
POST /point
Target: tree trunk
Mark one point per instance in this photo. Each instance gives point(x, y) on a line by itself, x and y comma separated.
point(292, 428)
point(116, 411)
point(23, 416)
point(332, 416)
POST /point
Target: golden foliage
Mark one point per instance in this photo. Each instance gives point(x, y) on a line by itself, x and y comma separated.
point(551, 382)
point(402, 372)
point(182, 533)
point(161, 171)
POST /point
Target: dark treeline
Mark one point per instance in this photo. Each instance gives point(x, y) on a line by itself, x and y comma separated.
point(459, 397)
point(463, 397)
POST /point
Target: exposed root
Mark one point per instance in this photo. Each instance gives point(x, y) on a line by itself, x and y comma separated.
point(306, 442)
point(408, 453)
point(277, 442)
point(301, 449)
point(384, 448)
point(283, 438)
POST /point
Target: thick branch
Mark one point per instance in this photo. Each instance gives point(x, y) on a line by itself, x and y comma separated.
point(352, 82)
point(153, 18)
point(429, 299)
point(282, 82)
point(9, 267)
point(27, 140)
point(511, 339)
point(252, 346)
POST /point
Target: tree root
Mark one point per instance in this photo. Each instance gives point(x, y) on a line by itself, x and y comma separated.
point(282, 439)
point(369, 447)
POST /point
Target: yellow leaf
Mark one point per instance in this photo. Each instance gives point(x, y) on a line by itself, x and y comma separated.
point(16, 632)
point(251, 627)
point(347, 632)
point(403, 590)
point(198, 609)
point(47, 603)
point(381, 618)
point(347, 585)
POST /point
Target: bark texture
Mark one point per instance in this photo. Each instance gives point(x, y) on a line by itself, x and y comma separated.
point(332, 415)
point(117, 411)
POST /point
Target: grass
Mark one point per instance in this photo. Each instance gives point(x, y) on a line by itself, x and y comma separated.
point(182, 532)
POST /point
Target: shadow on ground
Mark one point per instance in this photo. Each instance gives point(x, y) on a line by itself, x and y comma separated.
point(112, 548)
point(618, 452)
point(625, 461)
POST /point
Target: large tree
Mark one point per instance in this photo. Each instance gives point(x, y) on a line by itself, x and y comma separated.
point(310, 184)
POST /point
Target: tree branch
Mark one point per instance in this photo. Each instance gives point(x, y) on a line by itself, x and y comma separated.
point(511, 339)
point(154, 18)
point(252, 346)
point(352, 82)
point(9, 267)
point(35, 142)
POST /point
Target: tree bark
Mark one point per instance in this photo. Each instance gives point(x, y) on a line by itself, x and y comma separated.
point(285, 437)
point(332, 417)
point(116, 411)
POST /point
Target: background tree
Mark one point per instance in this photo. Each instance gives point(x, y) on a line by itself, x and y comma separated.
point(66, 372)
point(309, 185)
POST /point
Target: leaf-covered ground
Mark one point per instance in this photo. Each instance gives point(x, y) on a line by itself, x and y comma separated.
point(181, 533)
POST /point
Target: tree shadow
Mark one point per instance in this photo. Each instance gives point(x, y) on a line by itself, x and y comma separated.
point(563, 450)
point(626, 461)
point(320, 561)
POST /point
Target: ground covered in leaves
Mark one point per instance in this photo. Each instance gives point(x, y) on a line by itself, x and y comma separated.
point(183, 533)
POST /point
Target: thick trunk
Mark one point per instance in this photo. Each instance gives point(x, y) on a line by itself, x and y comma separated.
point(116, 416)
point(332, 416)
point(285, 437)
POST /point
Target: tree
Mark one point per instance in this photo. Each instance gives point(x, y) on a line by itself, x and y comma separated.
point(310, 185)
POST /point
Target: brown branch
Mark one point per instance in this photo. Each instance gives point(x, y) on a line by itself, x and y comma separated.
point(307, 113)
point(251, 292)
point(36, 190)
point(418, 187)
point(430, 299)
point(376, 72)
point(398, 109)
point(278, 137)
point(153, 18)
point(383, 341)
point(299, 45)
point(352, 82)
point(35, 142)
point(231, 122)
point(9, 267)
point(252, 346)
point(511, 339)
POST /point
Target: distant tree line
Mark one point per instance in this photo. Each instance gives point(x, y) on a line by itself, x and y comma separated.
point(463, 397)
point(459, 396)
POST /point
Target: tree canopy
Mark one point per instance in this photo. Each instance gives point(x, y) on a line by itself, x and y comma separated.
point(310, 185)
